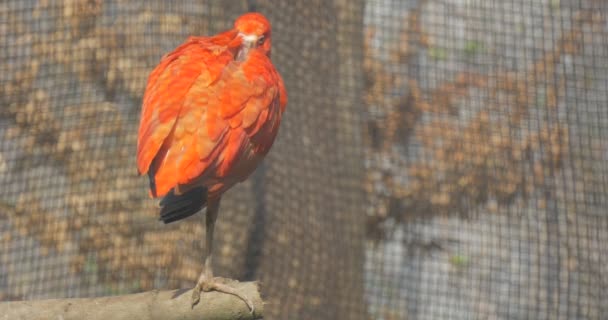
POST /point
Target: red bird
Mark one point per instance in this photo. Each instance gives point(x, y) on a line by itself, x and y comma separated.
point(210, 113)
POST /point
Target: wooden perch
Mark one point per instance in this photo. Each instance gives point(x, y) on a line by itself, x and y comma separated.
point(151, 305)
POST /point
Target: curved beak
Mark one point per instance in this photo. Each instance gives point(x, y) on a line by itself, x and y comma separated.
point(249, 42)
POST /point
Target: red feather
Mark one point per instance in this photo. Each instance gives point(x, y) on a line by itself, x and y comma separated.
point(208, 118)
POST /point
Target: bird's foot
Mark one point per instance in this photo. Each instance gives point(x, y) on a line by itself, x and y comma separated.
point(218, 284)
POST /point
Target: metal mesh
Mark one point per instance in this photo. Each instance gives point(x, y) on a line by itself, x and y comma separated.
point(437, 159)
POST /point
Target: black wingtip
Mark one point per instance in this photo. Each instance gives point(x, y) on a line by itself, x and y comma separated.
point(176, 207)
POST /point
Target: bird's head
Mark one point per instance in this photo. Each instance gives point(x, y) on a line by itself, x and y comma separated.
point(254, 29)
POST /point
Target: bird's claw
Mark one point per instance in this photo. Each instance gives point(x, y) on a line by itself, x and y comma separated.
point(196, 295)
point(216, 284)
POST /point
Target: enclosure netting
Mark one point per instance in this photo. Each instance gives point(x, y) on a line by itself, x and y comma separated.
point(438, 159)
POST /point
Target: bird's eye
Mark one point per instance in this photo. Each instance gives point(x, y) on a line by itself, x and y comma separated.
point(261, 40)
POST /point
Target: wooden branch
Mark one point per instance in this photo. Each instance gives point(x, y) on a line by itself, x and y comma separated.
point(151, 305)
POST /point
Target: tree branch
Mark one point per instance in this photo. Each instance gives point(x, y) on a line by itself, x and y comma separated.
point(151, 305)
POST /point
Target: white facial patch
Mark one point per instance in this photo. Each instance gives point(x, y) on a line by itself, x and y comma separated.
point(249, 37)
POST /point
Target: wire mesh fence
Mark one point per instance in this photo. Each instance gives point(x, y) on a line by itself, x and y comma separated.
point(437, 159)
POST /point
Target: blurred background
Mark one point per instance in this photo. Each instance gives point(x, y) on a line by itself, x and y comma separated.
point(438, 159)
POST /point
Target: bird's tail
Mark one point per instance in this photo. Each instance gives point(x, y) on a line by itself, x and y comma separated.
point(176, 207)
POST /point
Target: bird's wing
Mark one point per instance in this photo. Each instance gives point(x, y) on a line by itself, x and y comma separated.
point(224, 107)
point(195, 61)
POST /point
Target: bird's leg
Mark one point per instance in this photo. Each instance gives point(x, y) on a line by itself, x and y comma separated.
point(206, 282)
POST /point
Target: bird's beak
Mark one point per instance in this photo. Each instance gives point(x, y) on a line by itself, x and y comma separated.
point(249, 42)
